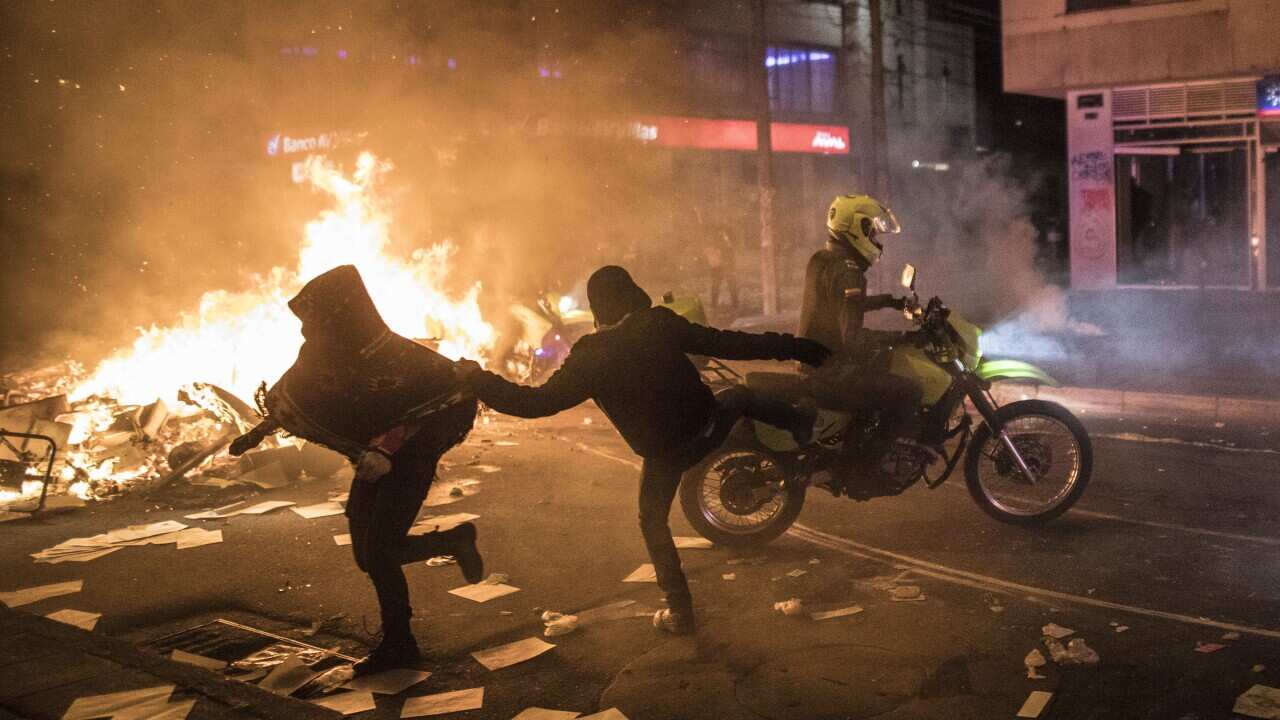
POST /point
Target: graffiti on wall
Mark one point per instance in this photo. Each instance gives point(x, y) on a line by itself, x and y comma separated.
point(1092, 166)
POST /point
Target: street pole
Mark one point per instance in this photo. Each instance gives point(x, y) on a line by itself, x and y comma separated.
point(879, 126)
point(764, 163)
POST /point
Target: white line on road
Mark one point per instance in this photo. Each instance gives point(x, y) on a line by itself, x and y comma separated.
point(1180, 528)
point(985, 582)
point(1199, 444)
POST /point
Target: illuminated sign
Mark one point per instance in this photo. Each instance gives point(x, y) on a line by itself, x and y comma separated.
point(683, 132)
point(1269, 95)
point(280, 143)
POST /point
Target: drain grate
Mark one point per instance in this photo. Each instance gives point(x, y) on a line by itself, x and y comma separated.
point(231, 642)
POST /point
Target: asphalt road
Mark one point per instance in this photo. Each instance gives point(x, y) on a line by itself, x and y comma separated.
point(1176, 539)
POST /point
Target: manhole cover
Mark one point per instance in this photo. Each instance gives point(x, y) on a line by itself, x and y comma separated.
point(833, 681)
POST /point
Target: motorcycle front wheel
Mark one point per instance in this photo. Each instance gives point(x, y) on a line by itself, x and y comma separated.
point(740, 497)
point(1054, 446)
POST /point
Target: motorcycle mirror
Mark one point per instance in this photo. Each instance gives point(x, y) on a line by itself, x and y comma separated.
point(909, 276)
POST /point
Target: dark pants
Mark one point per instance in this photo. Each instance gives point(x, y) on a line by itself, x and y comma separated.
point(380, 514)
point(862, 390)
point(660, 480)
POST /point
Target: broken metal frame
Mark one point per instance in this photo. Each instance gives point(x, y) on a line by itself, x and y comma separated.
point(25, 456)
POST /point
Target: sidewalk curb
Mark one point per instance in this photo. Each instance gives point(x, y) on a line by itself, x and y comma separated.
point(241, 698)
point(1212, 408)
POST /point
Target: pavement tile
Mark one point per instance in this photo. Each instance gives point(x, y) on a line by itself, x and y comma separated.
point(21, 647)
point(86, 678)
point(51, 671)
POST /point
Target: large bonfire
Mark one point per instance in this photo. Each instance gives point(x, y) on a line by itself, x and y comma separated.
point(237, 340)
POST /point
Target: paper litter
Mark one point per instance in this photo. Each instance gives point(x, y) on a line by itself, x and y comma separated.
point(388, 682)
point(644, 573)
point(1259, 701)
point(26, 596)
point(1035, 704)
point(442, 703)
point(76, 618)
point(348, 703)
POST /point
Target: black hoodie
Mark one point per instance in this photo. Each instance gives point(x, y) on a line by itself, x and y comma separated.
point(638, 370)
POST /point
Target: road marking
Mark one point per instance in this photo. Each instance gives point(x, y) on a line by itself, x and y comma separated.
point(988, 583)
point(1199, 444)
point(1180, 528)
point(985, 582)
point(597, 451)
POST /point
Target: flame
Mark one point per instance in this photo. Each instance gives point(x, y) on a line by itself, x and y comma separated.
point(238, 339)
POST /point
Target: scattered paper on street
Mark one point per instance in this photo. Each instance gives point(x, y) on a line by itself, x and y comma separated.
point(439, 523)
point(797, 573)
point(157, 711)
point(496, 658)
point(343, 539)
point(484, 592)
point(1259, 701)
point(1056, 631)
point(617, 610)
point(26, 596)
point(7, 515)
point(324, 509)
point(644, 573)
point(537, 713)
point(226, 511)
point(841, 612)
point(117, 703)
point(610, 714)
point(78, 618)
point(348, 703)
point(197, 537)
point(287, 677)
point(692, 543)
point(729, 576)
point(91, 548)
point(1035, 704)
point(486, 468)
point(266, 507)
point(389, 682)
point(442, 703)
point(207, 663)
point(507, 443)
point(1208, 647)
point(906, 593)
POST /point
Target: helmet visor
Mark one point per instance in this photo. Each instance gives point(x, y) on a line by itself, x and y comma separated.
point(886, 222)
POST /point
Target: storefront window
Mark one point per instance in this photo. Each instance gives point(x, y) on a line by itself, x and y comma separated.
point(1182, 218)
point(801, 80)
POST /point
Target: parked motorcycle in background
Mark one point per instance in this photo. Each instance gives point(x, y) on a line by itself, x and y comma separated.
point(1024, 463)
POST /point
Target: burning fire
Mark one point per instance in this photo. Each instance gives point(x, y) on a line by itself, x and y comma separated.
point(236, 340)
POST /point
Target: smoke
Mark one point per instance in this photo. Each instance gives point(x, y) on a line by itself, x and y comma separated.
point(138, 177)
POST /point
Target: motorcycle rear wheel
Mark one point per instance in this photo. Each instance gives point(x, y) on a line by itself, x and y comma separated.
point(1054, 445)
point(740, 497)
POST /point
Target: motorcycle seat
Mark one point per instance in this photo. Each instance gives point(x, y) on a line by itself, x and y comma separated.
point(778, 387)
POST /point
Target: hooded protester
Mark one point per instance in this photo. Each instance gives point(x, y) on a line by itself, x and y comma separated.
point(393, 408)
point(636, 368)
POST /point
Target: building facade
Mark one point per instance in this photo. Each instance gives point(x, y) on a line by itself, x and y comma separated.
point(1173, 124)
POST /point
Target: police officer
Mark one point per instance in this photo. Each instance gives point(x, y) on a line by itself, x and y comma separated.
point(833, 309)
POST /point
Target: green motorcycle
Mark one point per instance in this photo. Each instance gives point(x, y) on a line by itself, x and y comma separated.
point(1025, 463)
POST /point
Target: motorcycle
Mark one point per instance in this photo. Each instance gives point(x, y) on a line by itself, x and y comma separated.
point(1025, 463)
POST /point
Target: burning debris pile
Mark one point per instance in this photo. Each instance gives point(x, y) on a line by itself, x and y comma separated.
point(163, 408)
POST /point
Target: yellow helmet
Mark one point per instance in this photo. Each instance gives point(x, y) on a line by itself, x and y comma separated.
point(856, 220)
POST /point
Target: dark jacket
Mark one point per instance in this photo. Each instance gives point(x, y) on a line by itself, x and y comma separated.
point(835, 298)
point(355, 379)
point(639, 373)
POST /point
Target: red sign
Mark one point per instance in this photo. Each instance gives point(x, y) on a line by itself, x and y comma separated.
point(741, 135)
point(825, 139)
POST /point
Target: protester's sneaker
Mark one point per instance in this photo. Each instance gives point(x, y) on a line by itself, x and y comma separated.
point(389, 655)
point(676, 622)
point(463, 540)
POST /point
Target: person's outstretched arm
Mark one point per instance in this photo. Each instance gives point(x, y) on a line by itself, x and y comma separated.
point(567, 387)
point(733, 345)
